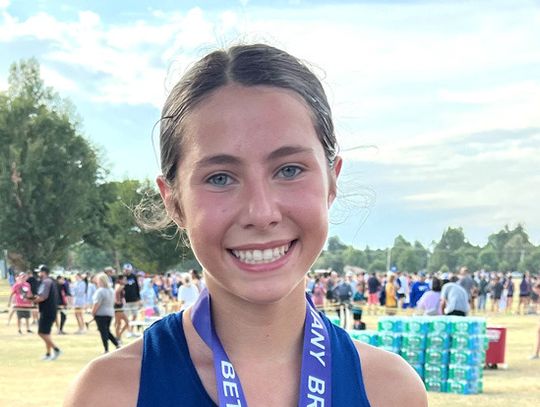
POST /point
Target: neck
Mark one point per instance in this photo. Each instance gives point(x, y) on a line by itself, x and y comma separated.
point(257, 332)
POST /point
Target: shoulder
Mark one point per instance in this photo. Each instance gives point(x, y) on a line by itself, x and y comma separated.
point(115, 373)
point(389, 380)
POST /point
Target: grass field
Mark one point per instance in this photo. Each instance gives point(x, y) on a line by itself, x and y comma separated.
point(27, 381)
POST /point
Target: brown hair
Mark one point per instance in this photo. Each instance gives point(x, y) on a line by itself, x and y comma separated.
point(247, 65)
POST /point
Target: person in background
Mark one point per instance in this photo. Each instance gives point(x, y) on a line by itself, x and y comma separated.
point(197, 279)
point(103, 310)
point(468, 284)
point(391, 298)
point(402, 289)
point(11, 276)
point(63, 296)
point(121, 321)
point(536, 354)
point(496, 289)
point(419, 287)
point(373, 286)
point(19, 297)
point(343, 293)
point(92, 287)
point(148, 298)
point(47, 298)
point(111, 273)
point(33, 280)
point(358, 302)
point(483, 289)
point(79, 291)
point(454, 299)
point(524, 293)
point(159, 289)
point(187, 293)
point(318, 294)
point(509, 286)
point(430, 302)
point(132, 297)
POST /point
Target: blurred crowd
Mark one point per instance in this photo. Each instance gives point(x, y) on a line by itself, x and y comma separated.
point(460, 293)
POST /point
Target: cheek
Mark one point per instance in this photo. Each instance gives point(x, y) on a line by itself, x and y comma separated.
point(206, 214)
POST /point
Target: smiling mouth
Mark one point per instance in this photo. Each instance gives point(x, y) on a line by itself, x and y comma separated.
point(265, 256)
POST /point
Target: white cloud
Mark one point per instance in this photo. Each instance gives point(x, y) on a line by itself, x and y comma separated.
point(527, 91)
point(416, 81)
point(58, 81)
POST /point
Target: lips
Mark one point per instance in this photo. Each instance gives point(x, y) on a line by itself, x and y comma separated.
point(260, 255)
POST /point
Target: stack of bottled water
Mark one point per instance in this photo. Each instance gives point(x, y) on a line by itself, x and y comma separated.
point(391, 333)
point(447, 352)
point(367, 336)
point(413, 345)
point(467, 355)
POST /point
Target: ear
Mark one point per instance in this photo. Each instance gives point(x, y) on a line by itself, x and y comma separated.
point(169, 200)
point(334, 174)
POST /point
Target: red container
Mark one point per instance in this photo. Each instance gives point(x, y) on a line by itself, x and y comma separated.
point(497, 345)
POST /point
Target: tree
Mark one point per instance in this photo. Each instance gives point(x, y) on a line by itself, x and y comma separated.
point(511, 246)
point(400, 245)
point(532, 261)
point(378, 266)
point(354, 257)
point(467, 255)
point(409, 261)
point(445, 251)
point(119, 234)
point(335, 244)
point(488, 258)
point(48, 170)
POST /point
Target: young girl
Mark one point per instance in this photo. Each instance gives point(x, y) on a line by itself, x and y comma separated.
point(249, 163)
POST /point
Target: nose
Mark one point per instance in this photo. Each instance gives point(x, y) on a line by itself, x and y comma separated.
point(261, 209)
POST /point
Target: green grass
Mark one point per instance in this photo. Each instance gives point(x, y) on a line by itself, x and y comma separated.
point(26, 381)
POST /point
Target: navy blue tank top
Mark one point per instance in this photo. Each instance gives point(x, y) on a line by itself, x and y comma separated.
point(169, 378)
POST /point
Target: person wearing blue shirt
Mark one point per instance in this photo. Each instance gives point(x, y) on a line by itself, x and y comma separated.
point(249, 171)
point(419, 287)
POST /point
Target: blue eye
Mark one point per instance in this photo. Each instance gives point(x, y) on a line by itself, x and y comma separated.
point(289, 171)
point(219, 180)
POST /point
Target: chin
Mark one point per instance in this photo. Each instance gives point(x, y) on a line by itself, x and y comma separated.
point(262, 294)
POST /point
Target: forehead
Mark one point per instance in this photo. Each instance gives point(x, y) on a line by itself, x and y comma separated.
point(254, 118)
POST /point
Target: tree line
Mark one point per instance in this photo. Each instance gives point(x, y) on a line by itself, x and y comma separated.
point(57, 206)
point(507, 250)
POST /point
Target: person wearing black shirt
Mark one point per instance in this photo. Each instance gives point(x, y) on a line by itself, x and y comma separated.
point(63, 294)
point(132, 296)
point(374, 286)
point(47, 298)
point(34, 286)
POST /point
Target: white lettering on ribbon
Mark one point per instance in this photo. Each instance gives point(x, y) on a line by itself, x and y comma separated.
point(317, 340)
point(230, 389)
point(316, 386)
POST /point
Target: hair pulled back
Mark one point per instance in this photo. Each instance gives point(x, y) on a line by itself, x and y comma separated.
point(246, 65)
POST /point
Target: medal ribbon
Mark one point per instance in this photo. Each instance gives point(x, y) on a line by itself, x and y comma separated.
point(316, 372)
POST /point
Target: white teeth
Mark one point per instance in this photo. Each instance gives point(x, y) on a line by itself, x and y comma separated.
point(268, 254)
point(261, 256)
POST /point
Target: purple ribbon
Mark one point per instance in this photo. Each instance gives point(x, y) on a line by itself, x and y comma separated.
point(316, 373)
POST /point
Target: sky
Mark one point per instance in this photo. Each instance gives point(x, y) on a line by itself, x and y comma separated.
point(436, 103)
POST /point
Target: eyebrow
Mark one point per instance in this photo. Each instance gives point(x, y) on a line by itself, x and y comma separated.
point(227, 159)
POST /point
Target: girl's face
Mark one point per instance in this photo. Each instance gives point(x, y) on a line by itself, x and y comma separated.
point(254, 188)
